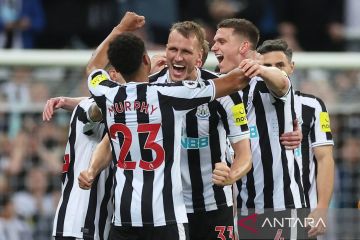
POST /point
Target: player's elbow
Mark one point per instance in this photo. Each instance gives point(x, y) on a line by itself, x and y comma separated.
point(247, 163)
point(240, 83)
point(89, 69)
point(283, 86)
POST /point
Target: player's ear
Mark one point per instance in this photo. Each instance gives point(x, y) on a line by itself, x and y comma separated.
point(292, 66)
point(244, 47)
point(146, 59)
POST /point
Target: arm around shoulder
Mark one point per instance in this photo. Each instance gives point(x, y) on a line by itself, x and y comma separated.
point(232, 82)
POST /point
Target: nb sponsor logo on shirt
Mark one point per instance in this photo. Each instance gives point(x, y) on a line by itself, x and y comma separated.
point(194, 143)
point(98, 79)
point(239, 114)
point(325, 122)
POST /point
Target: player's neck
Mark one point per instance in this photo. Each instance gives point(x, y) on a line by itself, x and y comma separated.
point(194, 75)
point(139, 76)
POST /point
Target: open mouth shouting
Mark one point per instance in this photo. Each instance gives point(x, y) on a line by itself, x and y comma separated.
point(219, 57)
point(179, 70)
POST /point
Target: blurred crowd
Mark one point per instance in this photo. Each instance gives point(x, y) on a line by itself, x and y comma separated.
point(322, 25)
point(31, 151)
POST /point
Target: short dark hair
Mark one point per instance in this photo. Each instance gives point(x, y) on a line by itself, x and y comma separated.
point(188, 28)
point(244, 28)
point(276, 45)
point(125, 53)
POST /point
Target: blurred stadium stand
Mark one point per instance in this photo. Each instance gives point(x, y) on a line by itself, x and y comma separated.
point(31, 149)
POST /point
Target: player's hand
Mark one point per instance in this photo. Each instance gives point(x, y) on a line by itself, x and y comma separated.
point(130, 22)
point(86, 178)
point(292, 140)
point(51, 105)
point(251, 67)
point(318, 218)
point(221, 174)
point(254, 55)
point(158, 63)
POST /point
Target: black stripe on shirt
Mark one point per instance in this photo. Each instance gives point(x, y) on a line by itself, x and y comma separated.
point(168, 145)
point(126, 196)
point(69, 174)
point(223, 116)
point(214, 143)
point(288, 196)
point(307, 117)
point(146, 155)
point(104, 204)
point(296, 166)
point(194, 164)
point(89, 224)
point(265, 148)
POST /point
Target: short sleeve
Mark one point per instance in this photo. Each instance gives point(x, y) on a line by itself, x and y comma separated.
point(99, 82)
point(322, 129)
point(236, 119)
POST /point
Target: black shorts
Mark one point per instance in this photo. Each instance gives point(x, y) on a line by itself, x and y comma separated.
point(172, 231)
point(217, 224)
point(287, 224)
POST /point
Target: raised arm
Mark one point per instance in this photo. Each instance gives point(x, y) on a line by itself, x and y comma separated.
point(130, 22)
point(100, 159)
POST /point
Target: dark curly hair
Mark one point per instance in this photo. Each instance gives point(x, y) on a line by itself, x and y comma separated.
point(125, 53)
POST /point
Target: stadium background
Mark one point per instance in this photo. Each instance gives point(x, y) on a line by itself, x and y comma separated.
point(31, 151)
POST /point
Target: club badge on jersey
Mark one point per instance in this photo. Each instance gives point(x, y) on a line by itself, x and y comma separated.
point(190, 84)
point(203, 111)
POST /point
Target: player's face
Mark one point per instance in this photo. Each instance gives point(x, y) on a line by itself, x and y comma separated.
point(278, 59)
point(182, 55)
point(227, 47)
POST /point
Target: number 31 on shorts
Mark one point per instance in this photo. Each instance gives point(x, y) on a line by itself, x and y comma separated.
point(221, 230)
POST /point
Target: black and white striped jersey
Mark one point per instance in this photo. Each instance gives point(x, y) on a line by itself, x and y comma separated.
point(145, 121)
point(203, 144)
point(80, 213)
point(315, 126)
point(274, 180)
